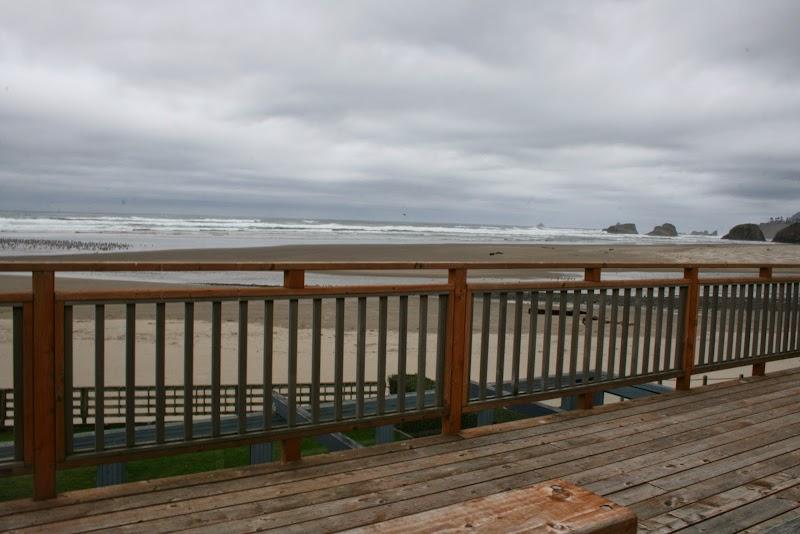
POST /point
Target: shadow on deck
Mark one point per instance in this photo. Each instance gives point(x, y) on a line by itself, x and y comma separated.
point(721, 458)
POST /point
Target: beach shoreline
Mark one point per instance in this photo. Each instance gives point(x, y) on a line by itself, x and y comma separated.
point(668, 253)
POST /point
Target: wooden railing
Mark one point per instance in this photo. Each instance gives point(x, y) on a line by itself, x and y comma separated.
point(610, 334)
point(458, 346)
point(84, 400)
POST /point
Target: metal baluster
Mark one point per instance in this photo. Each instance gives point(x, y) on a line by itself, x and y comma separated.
point(626, 318)
point(670, 321)
point(723, 315)
point(532, 334)
point(648, 320)
point(188, 370)
point(216, 365)
point(316, 357)
point(382, 328)
point(547, 337)
point(712, 341)
point(269, 317)
point(705, 302)
point(241, 397)
point(402, 353)
point(760, 319)
point(637, 330)
point(99, 377)
point(484, 363)
point(361, 355)
point(160, 371)
point(748, 349)
point(562, 328)
point(338, 371)
point(612, 334)
point(601, 328)
point(786, 306)
point(659, 330)
point(573, 347)
point(587, 335)
point(773, 318)
point(740, 306)
point(501, 344)
point(517, 343)
point(422, 349)
point(777, 331)
point(732, 306)
point(795, 316)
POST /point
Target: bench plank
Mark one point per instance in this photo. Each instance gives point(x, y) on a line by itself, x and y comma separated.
point(551, 506)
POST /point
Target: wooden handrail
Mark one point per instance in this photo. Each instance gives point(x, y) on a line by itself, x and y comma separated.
point(120, 266)
point(223, 293)
point(44, 324)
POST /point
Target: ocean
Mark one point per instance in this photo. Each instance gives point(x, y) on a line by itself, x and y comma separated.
point(47, 233)
point(57, 233)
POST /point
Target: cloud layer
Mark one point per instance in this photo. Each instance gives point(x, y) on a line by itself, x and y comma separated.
point(571, 113)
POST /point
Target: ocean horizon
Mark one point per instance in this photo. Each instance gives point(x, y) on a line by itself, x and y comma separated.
point(58, 233)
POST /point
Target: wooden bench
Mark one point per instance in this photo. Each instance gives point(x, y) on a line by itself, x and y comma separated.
point(554, 506)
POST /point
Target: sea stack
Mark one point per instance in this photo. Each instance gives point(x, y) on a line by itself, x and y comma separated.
point(790, 234)
point(745, 232)
point(664, 230)
point(704, 233)
point(622, 228)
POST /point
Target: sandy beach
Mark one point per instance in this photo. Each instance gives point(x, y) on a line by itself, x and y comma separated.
point(145, 335)
point(669, 252)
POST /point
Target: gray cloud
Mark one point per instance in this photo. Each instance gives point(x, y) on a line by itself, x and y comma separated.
point(571, 113)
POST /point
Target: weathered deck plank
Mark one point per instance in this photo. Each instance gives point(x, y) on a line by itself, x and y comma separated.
point(392, 471)
point(698, 459)
point(543, 508)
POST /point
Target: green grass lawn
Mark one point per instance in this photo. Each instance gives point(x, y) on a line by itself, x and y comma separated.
point(20, 487)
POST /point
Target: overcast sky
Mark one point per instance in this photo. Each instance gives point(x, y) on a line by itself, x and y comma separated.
point(567, 113)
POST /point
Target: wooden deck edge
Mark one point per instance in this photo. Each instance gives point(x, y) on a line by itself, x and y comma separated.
point(218, 475)
point(222, 475)
point(536, 421)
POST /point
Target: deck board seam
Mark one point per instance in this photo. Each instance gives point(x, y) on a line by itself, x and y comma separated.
point(683, 443)
point(693, 411)
point(746, 475)
point(606, 486)
point(747, 401)
point(768, 382)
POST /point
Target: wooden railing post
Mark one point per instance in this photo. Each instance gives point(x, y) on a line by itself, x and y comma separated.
point(44, 422)
point(691, 275)
point(585, 401)
point(456, 354)
point(759, 369)
point(592, 274)
point(290, 448)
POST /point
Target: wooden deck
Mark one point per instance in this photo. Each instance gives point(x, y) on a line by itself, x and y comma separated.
point(723, 458)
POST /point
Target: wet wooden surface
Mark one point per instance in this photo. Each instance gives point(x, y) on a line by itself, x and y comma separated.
point(723, 458)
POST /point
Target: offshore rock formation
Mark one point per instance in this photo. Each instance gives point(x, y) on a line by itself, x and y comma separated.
point(664, 230)
point(622, 228)
point(790, 234)
point(703, 232)
point(745, 232)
